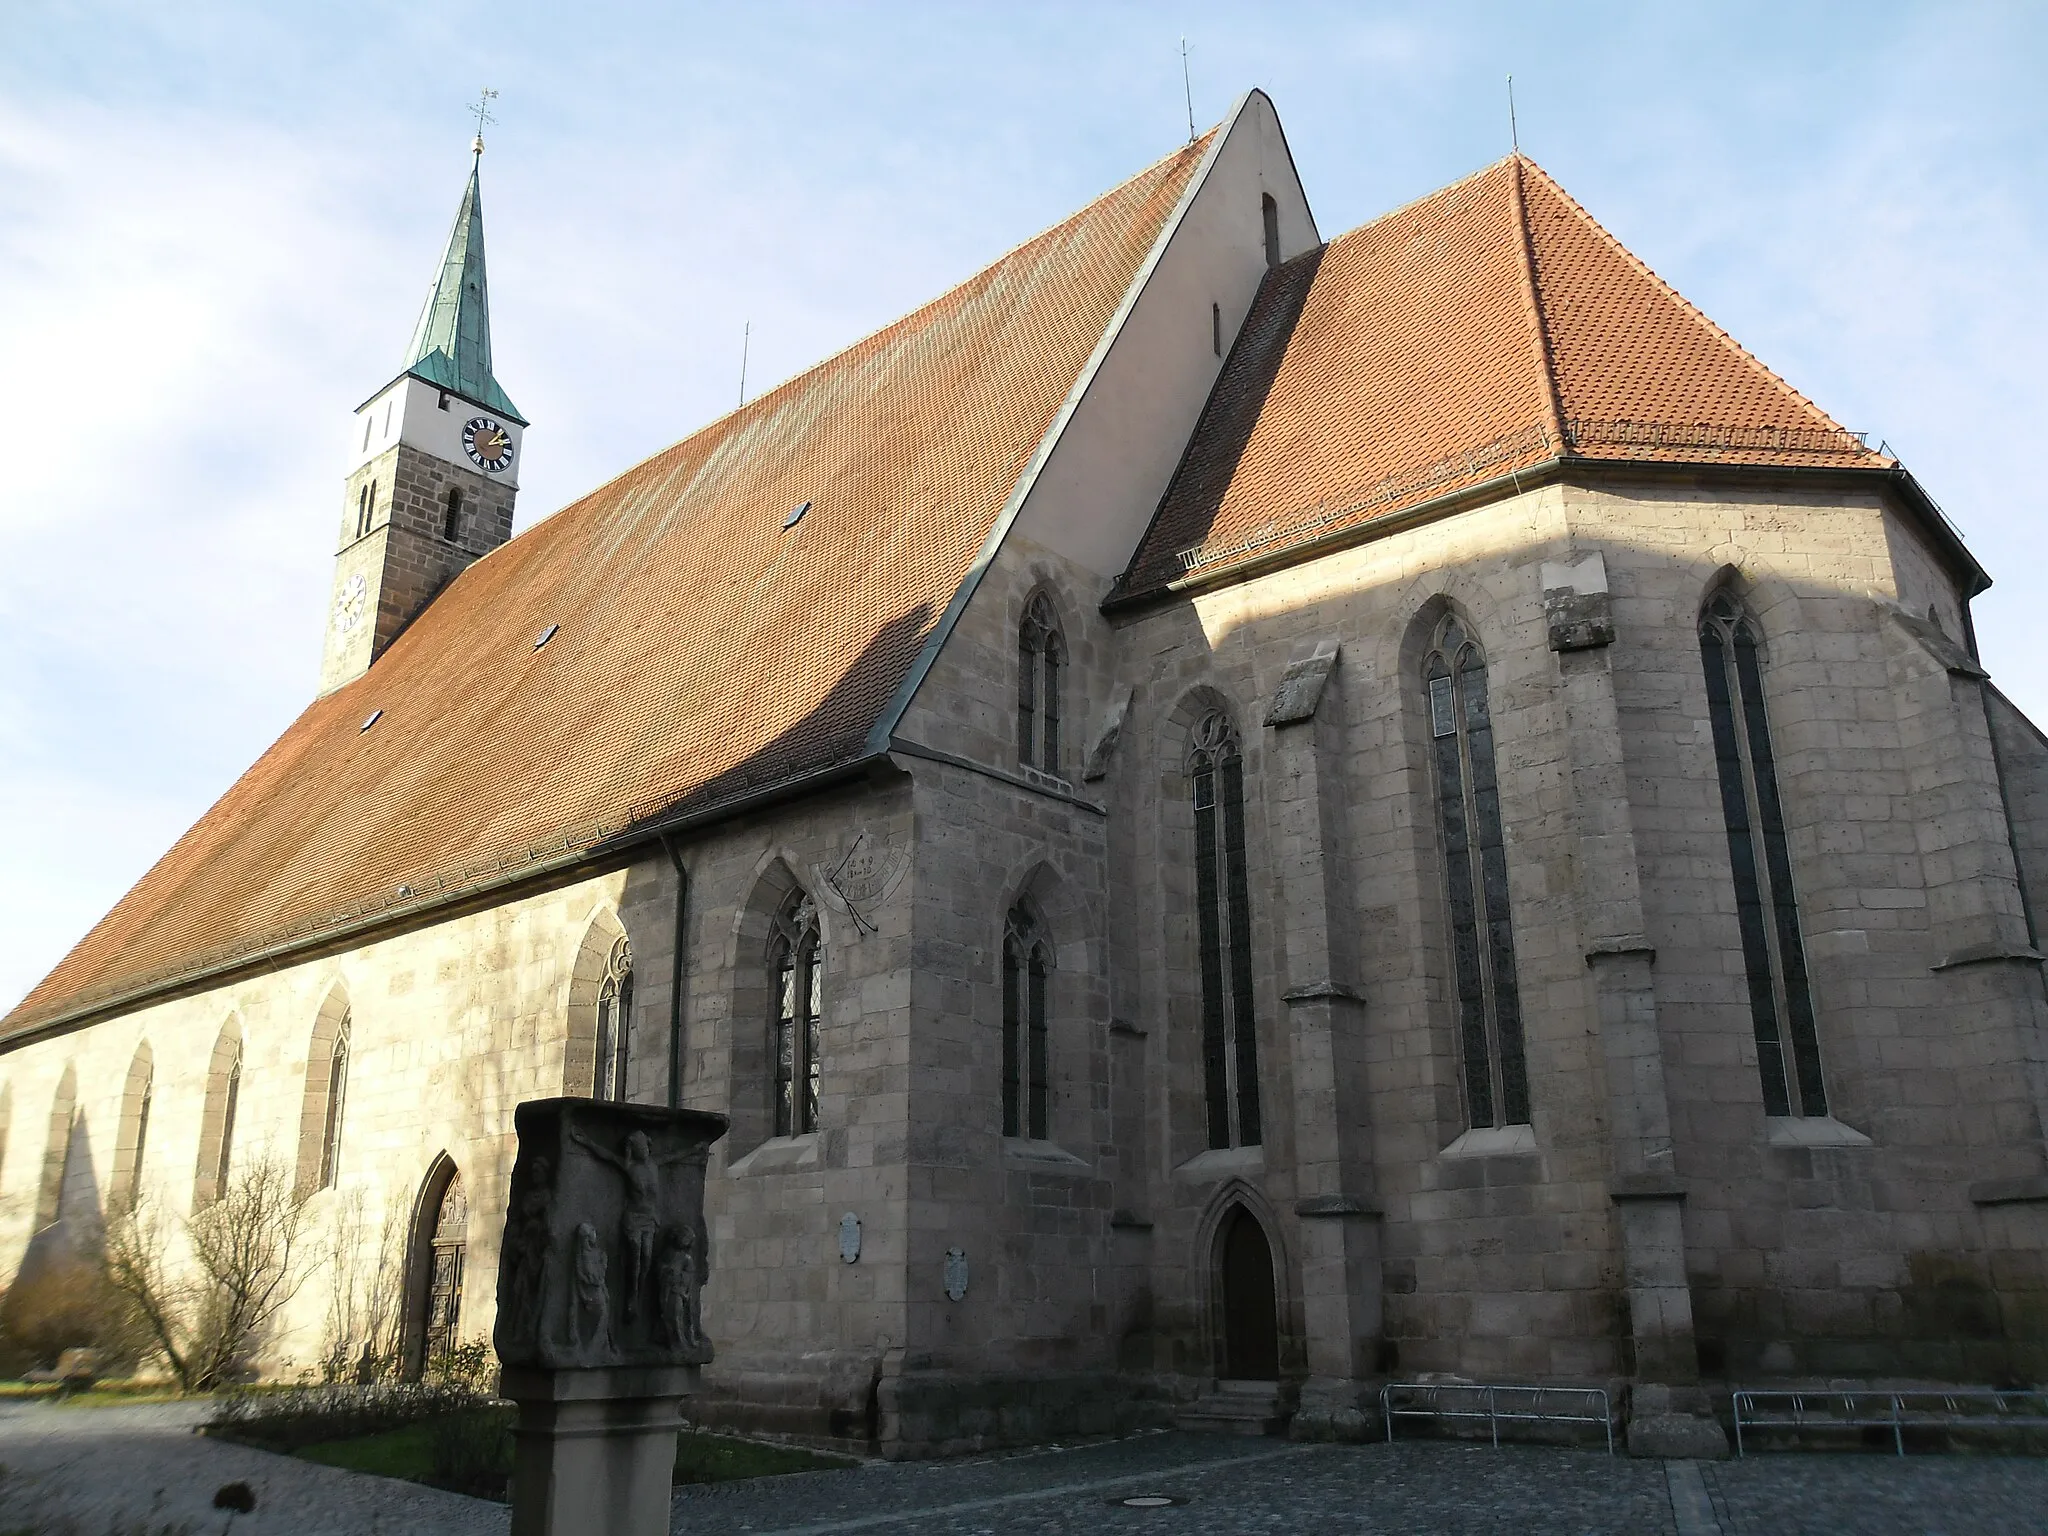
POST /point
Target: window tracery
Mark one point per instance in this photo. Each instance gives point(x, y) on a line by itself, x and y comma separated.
point(614, 1023)
point(1041, 655)
point(1027, 971)
point(1766, 905)
point(1230, 1047)
point(797, 974)
point(337, 1091)
point(1475, 880)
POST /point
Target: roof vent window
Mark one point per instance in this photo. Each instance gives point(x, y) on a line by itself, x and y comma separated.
point(375, 716)
point(795, 517)
point(545, 636)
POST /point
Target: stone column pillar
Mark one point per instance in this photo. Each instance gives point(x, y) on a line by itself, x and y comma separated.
point(1976, 914)
point(599, 1327)
point(1340, 1228)
point(1667, 1414)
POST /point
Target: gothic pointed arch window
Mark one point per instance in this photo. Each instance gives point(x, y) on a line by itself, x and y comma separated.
point(1041, 656)
point(796, 993)
point(329, 1053)
point(1474, 855)
point(337, 1094)
point(217, 1120)
point(614, 1023)
point(1766, 906)
point(1027, 976)
point(1230, 1041)
point(131, 1139)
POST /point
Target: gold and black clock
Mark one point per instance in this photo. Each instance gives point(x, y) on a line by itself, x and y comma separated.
point(488, 445)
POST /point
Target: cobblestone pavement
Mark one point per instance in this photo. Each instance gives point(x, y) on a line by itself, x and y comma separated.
point(141, 1472)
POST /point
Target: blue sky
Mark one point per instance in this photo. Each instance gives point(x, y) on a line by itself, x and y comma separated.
point(217, 223)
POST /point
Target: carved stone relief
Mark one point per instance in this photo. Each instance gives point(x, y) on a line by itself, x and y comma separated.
point(605, 1251)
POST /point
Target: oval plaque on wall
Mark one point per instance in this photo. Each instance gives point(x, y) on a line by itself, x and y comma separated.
point(956, 1273)
point(849, 1237)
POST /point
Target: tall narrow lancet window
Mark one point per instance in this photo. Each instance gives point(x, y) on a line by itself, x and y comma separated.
point(131, 1139)
point(1041, 653)
point(337, 1094)
point(1027, 972)
point(451, 517)
point(217, 1121)
point(1230, 1041)
point(1476, 880)
point(797, 978)
point(614, 1023)
point(1767, 912)
point(1269, 217)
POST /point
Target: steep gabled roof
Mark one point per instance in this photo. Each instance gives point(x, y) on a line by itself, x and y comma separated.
point(709, 648)
point(1489, 328)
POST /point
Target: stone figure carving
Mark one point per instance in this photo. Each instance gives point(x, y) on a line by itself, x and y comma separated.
point(678, 1291)
point(590, 1327)
point(524, 1265)
point(605, 1252)
point(640, 1226)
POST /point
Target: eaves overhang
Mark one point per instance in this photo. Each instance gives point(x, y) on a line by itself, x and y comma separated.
point(1890, 480)
point(403, 915)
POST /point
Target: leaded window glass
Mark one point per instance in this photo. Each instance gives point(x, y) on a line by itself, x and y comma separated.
point(1041, 654)
point(795, 964)
point(1475, 880)
point(1230, 1041)
point(614, 1023)
point(1027, 972)
point(1766, 908)
point(337, 1091)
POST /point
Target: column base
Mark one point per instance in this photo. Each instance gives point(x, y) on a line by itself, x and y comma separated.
point(1674, 1422)
point(1335, 1408)
point(595, 1449)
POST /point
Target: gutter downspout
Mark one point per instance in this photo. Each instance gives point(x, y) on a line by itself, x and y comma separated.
point(675, 976)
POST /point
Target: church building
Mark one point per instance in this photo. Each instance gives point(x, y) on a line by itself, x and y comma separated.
point(1230, 815)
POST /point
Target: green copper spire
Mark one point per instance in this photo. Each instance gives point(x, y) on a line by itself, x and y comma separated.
point(451, 346)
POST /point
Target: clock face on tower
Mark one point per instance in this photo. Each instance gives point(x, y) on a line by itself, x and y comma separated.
point(488, 445)
point(348, 608)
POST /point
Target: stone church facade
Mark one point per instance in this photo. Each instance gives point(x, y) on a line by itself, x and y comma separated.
point(1212, 806)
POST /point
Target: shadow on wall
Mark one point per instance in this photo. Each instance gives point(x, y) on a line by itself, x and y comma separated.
point(1770, 1297)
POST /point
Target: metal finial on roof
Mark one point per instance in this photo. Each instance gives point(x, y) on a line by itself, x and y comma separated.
point(1187, 88)
point(482, 109)
point(1514, 134)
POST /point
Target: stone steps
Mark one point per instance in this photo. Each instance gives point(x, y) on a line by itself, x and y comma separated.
point(1237, 1408)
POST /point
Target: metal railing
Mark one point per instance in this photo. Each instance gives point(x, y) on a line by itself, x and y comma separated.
point(1496, 1403)
point(1879, 1408)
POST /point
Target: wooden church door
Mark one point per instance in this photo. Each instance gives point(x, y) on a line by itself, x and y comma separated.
point(1251, 1320)
point(444, 1273)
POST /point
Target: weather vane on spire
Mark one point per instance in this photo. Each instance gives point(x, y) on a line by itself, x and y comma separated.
point(482, 109)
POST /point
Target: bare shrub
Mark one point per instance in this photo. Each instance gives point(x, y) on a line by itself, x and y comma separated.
point(359, 1338)
point(247, 1262)
point(67, 1304)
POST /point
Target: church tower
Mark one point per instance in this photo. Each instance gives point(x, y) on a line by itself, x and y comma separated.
point(436, 463)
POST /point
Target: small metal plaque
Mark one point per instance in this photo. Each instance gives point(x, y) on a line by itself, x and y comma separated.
point(956, 1273)
point(849, 1237)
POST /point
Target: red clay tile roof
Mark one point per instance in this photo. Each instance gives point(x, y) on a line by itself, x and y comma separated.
point(1485, 329)
point(705, 653)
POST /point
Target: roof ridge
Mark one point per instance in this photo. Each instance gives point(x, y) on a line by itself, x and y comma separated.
point(1416, 202)
point(1749, 358)
point(1532, 305)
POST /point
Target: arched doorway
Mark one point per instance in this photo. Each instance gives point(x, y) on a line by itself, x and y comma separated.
point(439, 1236)
point(1251, 1321)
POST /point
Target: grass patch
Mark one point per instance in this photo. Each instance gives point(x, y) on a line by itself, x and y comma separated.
point(106, 1394)
point(418, 1453)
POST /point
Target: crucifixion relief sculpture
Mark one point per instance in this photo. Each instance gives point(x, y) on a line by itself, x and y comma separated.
point(605, 1252)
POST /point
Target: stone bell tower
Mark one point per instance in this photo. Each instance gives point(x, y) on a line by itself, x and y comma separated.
point(435, 457)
